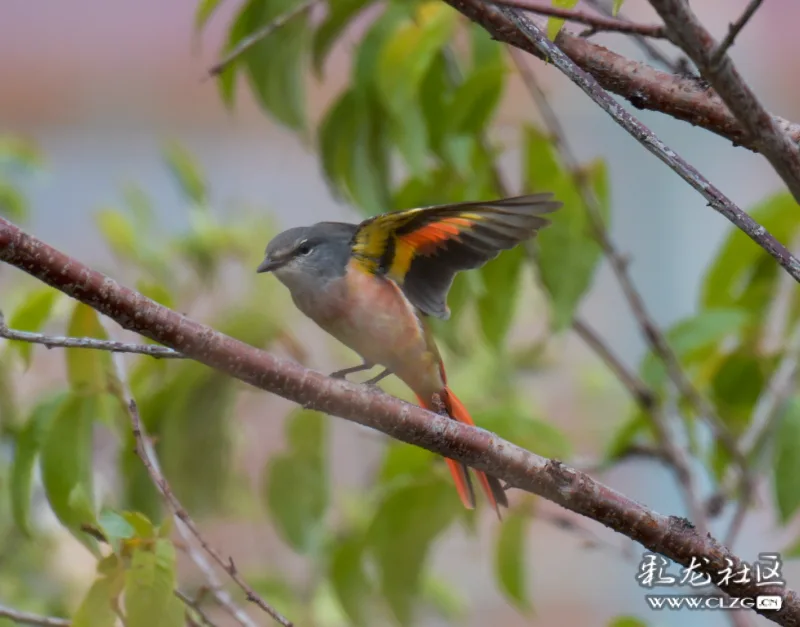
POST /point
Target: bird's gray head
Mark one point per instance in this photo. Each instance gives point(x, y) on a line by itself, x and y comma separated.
point(308, 254)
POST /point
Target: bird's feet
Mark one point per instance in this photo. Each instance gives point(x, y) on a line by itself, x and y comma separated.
point(378, 378)
point(342, 374)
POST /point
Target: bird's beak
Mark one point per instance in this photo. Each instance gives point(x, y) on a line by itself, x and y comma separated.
point(268, 265)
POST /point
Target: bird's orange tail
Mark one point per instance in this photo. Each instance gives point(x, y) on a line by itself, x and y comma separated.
point(490, 485)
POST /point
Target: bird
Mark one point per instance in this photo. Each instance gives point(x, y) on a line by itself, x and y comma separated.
point(373, 286)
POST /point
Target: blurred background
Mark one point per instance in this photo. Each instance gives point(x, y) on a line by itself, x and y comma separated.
point(101, 88)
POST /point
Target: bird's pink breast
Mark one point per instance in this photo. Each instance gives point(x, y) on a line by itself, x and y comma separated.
point(371, 315)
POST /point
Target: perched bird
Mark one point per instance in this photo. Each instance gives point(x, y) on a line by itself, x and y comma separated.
point(372, 285)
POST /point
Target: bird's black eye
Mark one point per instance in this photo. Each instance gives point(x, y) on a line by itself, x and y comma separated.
point(304, 248)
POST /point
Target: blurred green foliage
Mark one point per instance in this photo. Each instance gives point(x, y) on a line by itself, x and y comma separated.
point(411, 126)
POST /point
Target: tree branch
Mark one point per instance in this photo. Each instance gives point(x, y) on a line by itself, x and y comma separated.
point(677, 456)
point(515, 26)
point(150, 460)
point(734, 31)
point(767, 137)
point(671, 536)
point(645, 87)
point(251, 40)
point(59, 341)
point(26, 618)
point(597, 22)
point(179, 511)
point(678, 66)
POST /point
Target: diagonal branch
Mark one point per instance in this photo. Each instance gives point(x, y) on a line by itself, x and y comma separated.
point(597, 22)
point(684, 98)
point(734, 31)
point(674, 537)
point(517, 26)
point(265, 31)
point(767, 137)
point(677, 456)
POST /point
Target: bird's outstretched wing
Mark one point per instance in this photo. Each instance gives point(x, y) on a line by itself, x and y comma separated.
point(423, 249)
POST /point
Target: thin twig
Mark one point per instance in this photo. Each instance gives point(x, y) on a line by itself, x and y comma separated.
point(221, 595)
point(251, 40)
point(638, 389)
point(652, 334)
point(766, 415)
point(716, 199)
point(26, 618)
point(734, 30)
point(688, 32)
point(163, 487)
point(648, 47)
point(59, 341)
point(194, 605)
point(597, 22)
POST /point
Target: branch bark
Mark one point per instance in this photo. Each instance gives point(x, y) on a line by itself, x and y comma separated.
point(671, 536)
point(684, 98)
point(516, 27)
point(766, 136)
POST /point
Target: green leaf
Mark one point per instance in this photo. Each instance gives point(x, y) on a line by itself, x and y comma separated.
point(730, 276)
point(205, 9)
point(17, 151)
point(297, 492)
point(403, 460)
point(541, 168)
point(149, 597)
point(445, 598)
point(28, 444)
point(694, 339)
point(510, 560)
point(737, 385)
point(408, 53)
point(97, 607)
point(31, 315)
point(194, 435)
point(476, 99)
point(140, 524)
point(626, 621)
point(187, 172)
point(276, 64)
point(340, 14)
point(786, 469)
point(13, 204)
point(354, 152)
point(400, 536)
point(496, 305)
point(554, 24)
point(119, 233)
point(66, 465)
point(568, 252)
point(114, 526)
point(88, 370)
point(348, 578)
point(485, 50)
point(368, 53)
point(614, 10)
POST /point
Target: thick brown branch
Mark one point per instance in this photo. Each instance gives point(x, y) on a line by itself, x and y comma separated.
point(766, 136)
point(597, 22)
point(643, 86)
point(673, 537)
